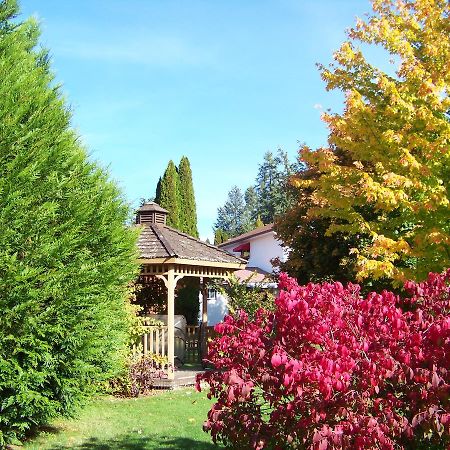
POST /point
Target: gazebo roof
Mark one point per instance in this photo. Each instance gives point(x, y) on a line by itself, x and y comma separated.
point(158, 242)
point(152, 206)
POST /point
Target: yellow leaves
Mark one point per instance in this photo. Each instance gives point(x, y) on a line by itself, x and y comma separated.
point(354, 101)
point(408, 160)
point(438, 237)
point(345, 54)
point(381, 197)
point(392, 180)
point(379, 259)
point(375, 269)
point(390, 248)
point(391, 137)
point(388, 179)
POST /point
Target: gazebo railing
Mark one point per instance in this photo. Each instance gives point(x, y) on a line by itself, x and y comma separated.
point(188, 346)
point(154, 340)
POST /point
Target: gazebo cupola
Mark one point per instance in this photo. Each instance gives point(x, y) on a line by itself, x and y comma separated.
point(151, 213)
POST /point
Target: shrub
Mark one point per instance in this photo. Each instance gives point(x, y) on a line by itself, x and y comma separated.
point(332, 369)
point(140, 374)
point(247, 296)
point(66, 256)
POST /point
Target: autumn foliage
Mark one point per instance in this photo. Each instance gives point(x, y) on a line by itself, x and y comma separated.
point(394, 132)
point(333, 369)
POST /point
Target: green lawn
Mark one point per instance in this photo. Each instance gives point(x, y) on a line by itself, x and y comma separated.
point(166, 420)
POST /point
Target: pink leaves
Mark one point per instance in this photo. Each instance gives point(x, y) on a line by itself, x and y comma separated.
point(380, 374)
point(276, 360)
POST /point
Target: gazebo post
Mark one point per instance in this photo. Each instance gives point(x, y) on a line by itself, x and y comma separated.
point(204, 335)
point(171, 283)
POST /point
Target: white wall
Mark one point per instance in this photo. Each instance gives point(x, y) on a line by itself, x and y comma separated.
point(263, 248)
point(217, 309)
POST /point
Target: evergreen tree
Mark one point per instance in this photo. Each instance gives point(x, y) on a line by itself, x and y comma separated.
point(169, 195)
point(231, 216)
point(158, 191)
point(272, 188)
point(251, 207)
point(66, 257)
point(220, 236)
point(266, 182)
point(188, 209)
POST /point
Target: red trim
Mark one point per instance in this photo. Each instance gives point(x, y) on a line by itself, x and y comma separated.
point(242, 248)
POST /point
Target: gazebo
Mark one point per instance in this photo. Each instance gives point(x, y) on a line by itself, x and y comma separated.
point(170, 255)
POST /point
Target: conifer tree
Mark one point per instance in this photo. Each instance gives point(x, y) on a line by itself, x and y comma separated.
point(251, 206)
point(220, 236)
point(169, 194)
point(66, 256)
point(188, 209)
point(274, 195)
point(231, 216)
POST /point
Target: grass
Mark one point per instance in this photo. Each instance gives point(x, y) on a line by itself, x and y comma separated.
point(166, 420)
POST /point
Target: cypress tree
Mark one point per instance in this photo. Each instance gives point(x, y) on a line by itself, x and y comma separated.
point(169, 194)
point(188, 209)
point(66, 257)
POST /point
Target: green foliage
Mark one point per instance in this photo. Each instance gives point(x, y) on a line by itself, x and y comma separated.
point(151, 296)
point(188, 209)
point(66, 257)
point(271, 196)
point(272, 185)
point(168, 195)
point(187, 301)
point(251, 206)
point(175, 192)
point(231, 216)
point(241, 296)
point(220, 236)
point(140, 373)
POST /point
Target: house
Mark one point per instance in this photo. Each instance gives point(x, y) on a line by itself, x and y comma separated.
point(259, 247)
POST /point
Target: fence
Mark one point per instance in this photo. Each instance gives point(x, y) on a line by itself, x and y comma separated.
point(187, 342)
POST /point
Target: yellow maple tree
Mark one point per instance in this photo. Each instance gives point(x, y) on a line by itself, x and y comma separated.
point(395, 128)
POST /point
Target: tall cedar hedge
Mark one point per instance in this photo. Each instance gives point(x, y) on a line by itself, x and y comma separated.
point(168, 194)
point(66, 257)
point(175, 192)
point(188, 209)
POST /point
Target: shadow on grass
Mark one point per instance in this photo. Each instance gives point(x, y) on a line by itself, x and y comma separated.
point(34, 432)
point(130, 442)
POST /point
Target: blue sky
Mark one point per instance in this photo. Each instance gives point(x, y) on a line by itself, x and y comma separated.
point(221, 82)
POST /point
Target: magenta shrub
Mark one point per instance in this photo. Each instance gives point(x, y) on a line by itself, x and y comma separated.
point(330, 369)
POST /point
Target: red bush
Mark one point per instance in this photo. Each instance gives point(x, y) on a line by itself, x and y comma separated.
point(331, 369)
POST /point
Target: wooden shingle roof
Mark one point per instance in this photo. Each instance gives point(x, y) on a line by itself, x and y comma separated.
point(161, 241)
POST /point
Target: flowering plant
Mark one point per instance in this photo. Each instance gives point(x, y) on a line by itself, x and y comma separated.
point(332, 369)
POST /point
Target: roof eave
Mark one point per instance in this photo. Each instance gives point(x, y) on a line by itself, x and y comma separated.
point(193, 262)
